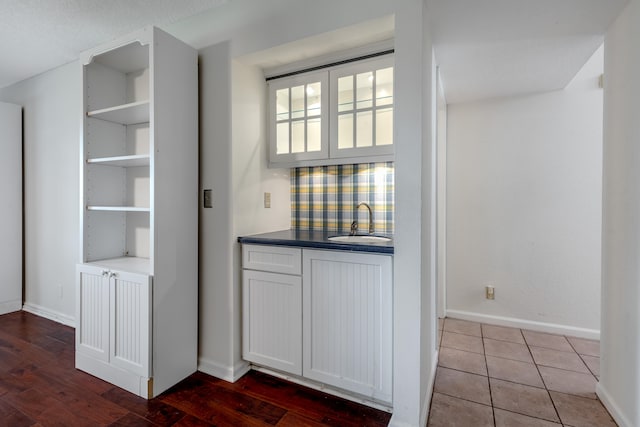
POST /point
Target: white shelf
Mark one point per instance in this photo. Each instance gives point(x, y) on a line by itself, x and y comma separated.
point(118, 208)
point(122, 161)
point(130, 264)
point(126, 114)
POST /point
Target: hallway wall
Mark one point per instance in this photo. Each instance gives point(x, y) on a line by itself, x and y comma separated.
point(619, 386)
point(524, 208)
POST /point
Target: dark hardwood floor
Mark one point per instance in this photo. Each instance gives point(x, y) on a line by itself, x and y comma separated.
point(39, 386)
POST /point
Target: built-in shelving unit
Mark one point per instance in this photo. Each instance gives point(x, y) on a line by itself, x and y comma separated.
point(139, 213)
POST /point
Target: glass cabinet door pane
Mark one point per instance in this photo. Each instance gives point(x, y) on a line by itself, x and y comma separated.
point(282, 104)
point(384, 126)
point(314, 91)
point(314, 135)
point(345, 131)
point(297, 136)
point(282, 138)
point(345, 93)
point(297, 102)
point(384, 86)
point(364, 87)
point(364, 129)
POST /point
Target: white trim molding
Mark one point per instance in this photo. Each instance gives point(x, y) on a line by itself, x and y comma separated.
point(47, 313)
point(611, 406)
point(426, 405)
point(224, 372)
point(512, 322)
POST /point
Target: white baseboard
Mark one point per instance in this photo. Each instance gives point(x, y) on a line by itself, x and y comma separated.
point(10, 306)
point(552, 328)
point(224, 372)
point(47, 313)
point(611, 406)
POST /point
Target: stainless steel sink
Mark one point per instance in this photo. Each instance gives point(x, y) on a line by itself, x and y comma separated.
point(361, 238)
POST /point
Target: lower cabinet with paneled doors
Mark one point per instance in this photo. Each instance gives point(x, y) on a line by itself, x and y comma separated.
point(113, 329)
point(321, 315)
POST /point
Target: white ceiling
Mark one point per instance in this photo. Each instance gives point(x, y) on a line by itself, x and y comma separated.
point(484, 48)
point(38, 35)
point(494, 48)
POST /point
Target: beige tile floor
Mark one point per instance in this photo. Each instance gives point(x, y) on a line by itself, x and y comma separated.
point(505, 377)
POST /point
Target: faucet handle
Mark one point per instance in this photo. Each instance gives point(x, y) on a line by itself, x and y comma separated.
point(354, 228)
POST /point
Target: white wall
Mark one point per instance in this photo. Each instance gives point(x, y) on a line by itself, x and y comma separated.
point(11, 215)
point(524, 208)
point(216, 328)
point(619, 386)
point(52, 112)
point(441, 194)
point(233, 163)
point(251, 176)
point(414, 352)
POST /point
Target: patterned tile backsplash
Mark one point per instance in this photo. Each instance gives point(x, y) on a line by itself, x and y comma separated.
point(325, 197)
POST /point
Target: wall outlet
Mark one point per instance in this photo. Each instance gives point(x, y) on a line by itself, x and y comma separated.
point(490, 292)
point(207, 202)
point(267, 200)
point(60, 288)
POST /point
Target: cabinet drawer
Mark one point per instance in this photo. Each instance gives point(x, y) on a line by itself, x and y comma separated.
point(276, 259)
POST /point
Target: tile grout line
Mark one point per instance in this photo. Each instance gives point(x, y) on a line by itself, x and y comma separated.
point(582, 360)
point(588, 367)
point(486, 365)
point(542, 378)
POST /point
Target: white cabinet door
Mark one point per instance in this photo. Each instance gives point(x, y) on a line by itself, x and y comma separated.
point(298, 119)
point(347, 329)
point(272, 320)
point(92, 308)
point(361, 109)
point(130, 338)
point(114, 324)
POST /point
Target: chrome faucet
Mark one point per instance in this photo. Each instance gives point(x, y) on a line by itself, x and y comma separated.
point(354, 224)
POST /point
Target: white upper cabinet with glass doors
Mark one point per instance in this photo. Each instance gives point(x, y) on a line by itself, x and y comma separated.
point(362, 122)
point(341, 114)
point(299, 125)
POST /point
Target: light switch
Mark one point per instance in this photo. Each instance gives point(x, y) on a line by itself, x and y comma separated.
point(207, 203)
point(267, 200)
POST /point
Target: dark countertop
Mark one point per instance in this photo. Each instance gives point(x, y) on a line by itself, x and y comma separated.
point(317, 240)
